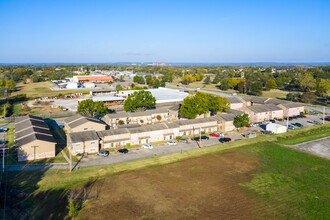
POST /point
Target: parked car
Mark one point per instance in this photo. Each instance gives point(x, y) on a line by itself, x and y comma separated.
point(61, 126)
point(172, 143)
point(147, 146)
point(314, 113)
point(327, 118)
point(298, 125)
point(316, 122)
point(217, 134)
point(310, 122)
point(123, 151)
point(2, 142)
point(224, 140)
point(197, 138)
point(65, 109)
point(291, 127)
point(280, 119)
point(183, 141)
point(103, 153)
point(272, 121)
point(3, 129)
point(267, 121)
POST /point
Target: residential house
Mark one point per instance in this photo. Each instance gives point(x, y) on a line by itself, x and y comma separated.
point(114, 137)
point(33, 139)
point(225, 121)
point(80, 122)
point(291, 108)
point(237, 103)
point(83, 142)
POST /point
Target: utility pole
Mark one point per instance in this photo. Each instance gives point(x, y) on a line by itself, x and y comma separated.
point(3, 153)
point(287, 123)
point(4, 107)
point(70, 156)
point(34, 151)
point(200, 136)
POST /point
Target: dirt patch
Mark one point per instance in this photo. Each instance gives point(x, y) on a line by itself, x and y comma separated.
point(200, 188)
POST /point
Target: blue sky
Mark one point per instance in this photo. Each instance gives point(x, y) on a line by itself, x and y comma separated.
point(170, 31)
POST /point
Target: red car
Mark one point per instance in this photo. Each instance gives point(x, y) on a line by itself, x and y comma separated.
point(327, 119)
point(223, 140)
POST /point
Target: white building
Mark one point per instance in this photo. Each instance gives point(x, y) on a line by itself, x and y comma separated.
point(276, 128)
point(72, 85)
point(89, 85)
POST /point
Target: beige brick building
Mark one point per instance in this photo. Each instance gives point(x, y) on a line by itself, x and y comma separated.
point(83, 142)
point(80, 122)
point(33, 139)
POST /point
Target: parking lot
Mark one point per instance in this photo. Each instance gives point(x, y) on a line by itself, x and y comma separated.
point(317, 147)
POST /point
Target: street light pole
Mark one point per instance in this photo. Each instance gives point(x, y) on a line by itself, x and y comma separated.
point(323, 113)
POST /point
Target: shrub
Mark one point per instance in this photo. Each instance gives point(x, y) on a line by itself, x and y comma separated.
point(121, 122)
point(202, 132)
point(128, 145)
point(178, 137)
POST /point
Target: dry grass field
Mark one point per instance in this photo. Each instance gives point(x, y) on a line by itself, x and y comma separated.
point(199, 188)
point(40, 89)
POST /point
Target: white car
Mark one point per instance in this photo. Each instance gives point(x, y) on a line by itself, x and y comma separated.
point(147, 146)
point(172, 143)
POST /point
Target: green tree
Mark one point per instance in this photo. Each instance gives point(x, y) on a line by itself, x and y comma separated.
point(217, 103)
point(121, 122)
point(186, 79)
point(256, 88)
point(11, 85)
point(216, 80)
point(119, 87)
point(188, 108)
point(307, 82)
point(242, 120)
point(202, 103)
point(156, 83)
point(159, 117)
point(140, 100)
point(224, 84)
point(90, 108)
point(323, 87)
point(207, 80)
point(279, 82)
point(271, 84)
point(241, 87)
point(308, 97)
point(121, 79)
point(290, 96)
point(149, 80)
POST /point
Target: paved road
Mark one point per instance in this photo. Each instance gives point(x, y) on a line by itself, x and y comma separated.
point(318, 147)
point(227, 95)
point(134, 154)
point(317, 109)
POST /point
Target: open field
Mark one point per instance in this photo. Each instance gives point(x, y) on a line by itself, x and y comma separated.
point(41, 89)
point(252, 174)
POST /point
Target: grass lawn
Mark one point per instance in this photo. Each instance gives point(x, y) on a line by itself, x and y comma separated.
point(300, 136)
point(293, 184)
point(10, 135)
point(41, 89)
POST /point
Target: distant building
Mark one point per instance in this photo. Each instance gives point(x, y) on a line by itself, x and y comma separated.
point(89, 85)
point(93, 78)
point(72, 85)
